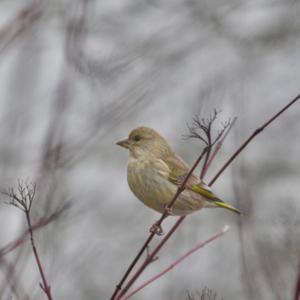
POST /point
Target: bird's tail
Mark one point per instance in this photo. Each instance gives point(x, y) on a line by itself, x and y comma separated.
point(222, 204)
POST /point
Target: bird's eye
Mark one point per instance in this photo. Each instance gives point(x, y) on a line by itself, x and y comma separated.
point(137, 138)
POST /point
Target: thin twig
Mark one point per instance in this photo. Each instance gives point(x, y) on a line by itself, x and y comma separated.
point(217, 148)
point(253, 135)
point(23, 200)
point(239, 193)
point(44, 286)
point(24, 19)
point(178, 261)
point(23, 237)
point(150, 258)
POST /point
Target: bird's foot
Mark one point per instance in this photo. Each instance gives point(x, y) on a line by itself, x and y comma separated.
point(157, 229)
point(169, 211)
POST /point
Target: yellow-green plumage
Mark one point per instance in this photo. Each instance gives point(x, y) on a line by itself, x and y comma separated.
point(154, 173)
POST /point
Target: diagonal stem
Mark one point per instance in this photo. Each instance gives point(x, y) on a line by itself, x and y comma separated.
point(179, 260)
point(159, 222)
point(179, 221)
point(45, 287)
point(252, 136)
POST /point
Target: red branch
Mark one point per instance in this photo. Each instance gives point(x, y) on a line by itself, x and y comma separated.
point(23, 237)
point(252, 136)
point(178, 261)
point(44, 285)
point(158, 223)
point(179, 221)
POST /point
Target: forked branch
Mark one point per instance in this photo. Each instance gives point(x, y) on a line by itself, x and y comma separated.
point(23, 199)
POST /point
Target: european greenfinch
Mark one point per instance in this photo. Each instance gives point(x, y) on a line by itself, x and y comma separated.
point(154, 173)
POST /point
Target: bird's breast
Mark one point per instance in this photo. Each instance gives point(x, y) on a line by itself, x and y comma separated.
point(148, 185)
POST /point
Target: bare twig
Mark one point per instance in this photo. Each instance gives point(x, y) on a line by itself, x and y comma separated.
point(201, 129)
point(252, 136)
point(178, 261)
point(218, 147)
point(23, 200)
point(38, 225)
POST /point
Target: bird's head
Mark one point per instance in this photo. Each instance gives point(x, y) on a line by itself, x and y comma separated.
point(145, 141)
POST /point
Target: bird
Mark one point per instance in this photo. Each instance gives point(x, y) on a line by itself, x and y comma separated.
point(155, 172)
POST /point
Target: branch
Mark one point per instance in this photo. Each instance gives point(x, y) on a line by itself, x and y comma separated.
point(38, 225)
point(44, 285)
point(178, 261)
point(201, 129)
point(25, 18)
point(23, 200)
point(158, 223)
point(180, 220)
point(205, 126)
point(254, 134)
point(217, 148)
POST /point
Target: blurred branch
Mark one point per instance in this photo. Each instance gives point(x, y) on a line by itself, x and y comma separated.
point(36, 226)
point(239, 194)
point(25, 18)
point(11, 281)
point(206, 294)
point(178, 261)
point(23, 200)
point(270, 270)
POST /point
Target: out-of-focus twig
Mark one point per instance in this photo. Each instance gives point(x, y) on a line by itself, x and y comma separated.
point(26, 17)
point(11, 281)
point(44, 221)
point(23, 199)
point(178, 261)
point(239, 194)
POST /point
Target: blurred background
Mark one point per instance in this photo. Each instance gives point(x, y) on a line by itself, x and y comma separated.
point(78, 75)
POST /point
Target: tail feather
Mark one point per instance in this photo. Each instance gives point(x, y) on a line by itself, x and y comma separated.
point(227, 206)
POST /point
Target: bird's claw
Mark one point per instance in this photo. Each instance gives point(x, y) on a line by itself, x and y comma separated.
point(169, 211)
point(157, 229)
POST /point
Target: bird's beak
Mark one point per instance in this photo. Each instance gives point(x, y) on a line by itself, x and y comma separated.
point(123, 143)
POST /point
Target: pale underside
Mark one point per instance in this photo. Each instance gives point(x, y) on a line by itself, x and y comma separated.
point(148, 180)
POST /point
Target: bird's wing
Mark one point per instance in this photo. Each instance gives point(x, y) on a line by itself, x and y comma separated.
point(175, 170)
point(178, 169)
